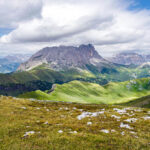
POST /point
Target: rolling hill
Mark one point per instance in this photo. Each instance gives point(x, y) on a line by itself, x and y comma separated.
point(140, 102)
point(84, 92)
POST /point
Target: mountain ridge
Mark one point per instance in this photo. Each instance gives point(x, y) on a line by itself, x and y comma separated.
point(130, 58)
point(10, 63)
point(67, 57)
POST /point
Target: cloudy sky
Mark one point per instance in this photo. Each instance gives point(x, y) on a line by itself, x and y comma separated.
point(110, 25)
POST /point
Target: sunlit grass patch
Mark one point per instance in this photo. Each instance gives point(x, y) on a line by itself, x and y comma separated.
point(84, 92)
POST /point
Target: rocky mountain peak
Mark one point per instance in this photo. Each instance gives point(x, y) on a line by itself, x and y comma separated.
point(66, 57)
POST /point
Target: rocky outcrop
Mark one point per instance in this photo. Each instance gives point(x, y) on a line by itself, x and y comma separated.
point(66, 57)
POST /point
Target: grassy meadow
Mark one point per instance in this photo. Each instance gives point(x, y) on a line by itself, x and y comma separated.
point(28, 125)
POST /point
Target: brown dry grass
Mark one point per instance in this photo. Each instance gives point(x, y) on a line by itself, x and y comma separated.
point(15, 121)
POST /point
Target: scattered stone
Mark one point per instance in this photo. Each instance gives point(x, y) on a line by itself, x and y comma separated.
point(146, 118)
point(132, 132)
point(89, 123)
point(122, 125)
point(89, 114)
point(73, 132)
point(60, 131)
point(29, 133)
point(120, 111)
point(81, 110)
point(122, 133)
point(113, 130)
point(105, 131)
point(116, 117)
point(131, 120)
point(138, 110)
point(66, 108)
point(23, 107)
point(46, 122)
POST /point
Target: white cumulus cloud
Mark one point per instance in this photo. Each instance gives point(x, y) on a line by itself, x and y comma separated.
point(110, 25)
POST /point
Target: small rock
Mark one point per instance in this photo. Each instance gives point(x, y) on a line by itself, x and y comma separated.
point(60, 131)
point(113, 130)
point(23, 107)
point(89, 123)
point(122, 125)
point(131, 120)
point(105, 131)
point(146, 118)
point(73, 132)
point(123, 133)
point(46, 122)
point(29, 133)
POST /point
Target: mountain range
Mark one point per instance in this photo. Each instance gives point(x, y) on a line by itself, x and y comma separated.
point(130, 58)
point(10, 63)
point(63, 64)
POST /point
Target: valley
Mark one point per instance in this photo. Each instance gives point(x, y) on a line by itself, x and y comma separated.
point(70, 97)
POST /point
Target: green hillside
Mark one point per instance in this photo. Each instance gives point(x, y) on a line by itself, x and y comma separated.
point(41, 75)
point(84, 92)
point(38, 77)
point(140, 102)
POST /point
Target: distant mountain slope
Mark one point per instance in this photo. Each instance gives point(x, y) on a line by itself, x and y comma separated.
point(84, 92)
point(43, 75)
point(68, 57)
point(140, 102)
point(126, 58)
point(10, 63)
point(130, 58)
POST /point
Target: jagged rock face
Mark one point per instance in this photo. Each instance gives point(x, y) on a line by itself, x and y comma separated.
point(128, 59)
point(66, 57)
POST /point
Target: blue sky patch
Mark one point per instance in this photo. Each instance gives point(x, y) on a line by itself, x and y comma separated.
point(4, 31)
point(141, 4)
